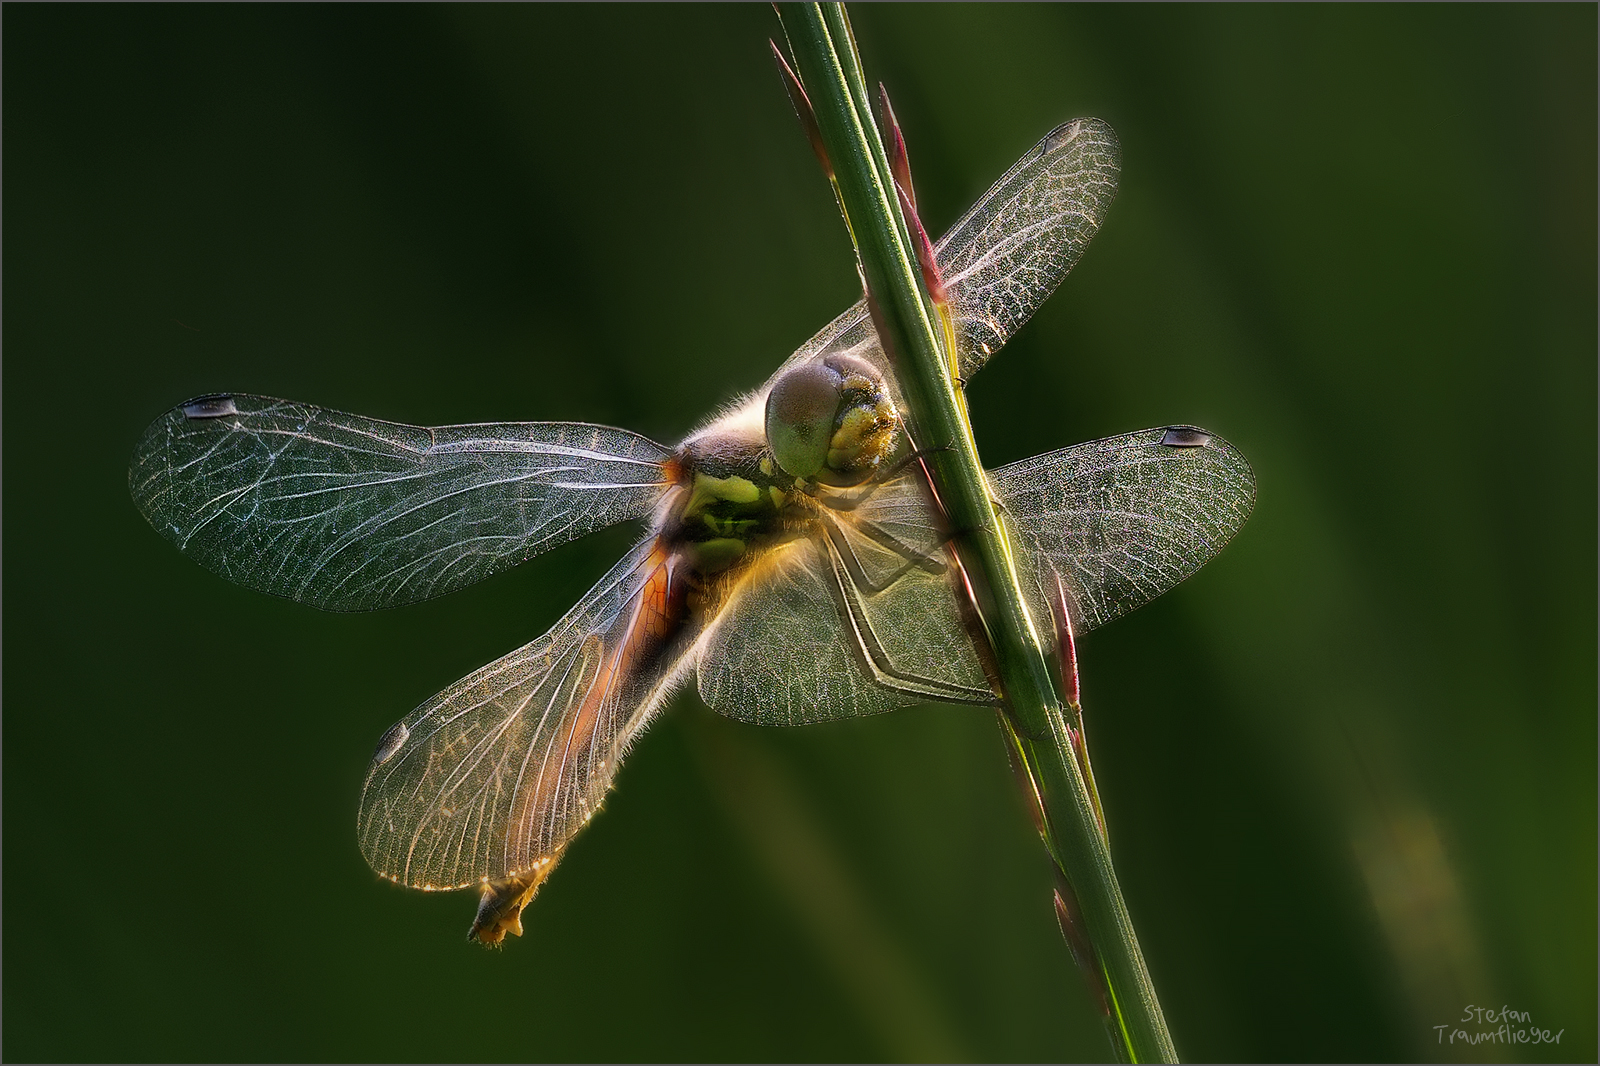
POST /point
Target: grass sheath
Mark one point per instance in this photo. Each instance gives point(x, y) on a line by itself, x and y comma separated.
point(1042, 742)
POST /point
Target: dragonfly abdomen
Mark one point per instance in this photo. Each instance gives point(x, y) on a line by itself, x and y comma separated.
point(631, 672)
point(728, 499)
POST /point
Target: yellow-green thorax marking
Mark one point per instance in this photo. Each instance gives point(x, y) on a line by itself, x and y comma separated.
point(726, 510)
point(829, 423)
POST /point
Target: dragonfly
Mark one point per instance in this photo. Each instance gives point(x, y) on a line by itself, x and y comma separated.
point(792, 566)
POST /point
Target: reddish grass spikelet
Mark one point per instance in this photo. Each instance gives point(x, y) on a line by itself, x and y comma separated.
point(900, 169)
point(931, 275)
point(1070, 918)
point(899, 160)
point(802, 108)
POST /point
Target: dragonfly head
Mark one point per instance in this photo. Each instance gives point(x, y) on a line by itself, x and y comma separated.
point(832, 421)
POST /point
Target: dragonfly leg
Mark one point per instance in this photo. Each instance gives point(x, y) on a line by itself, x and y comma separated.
point(914, 560)
point(872, 657)
point(842, 502)
point(927, 563)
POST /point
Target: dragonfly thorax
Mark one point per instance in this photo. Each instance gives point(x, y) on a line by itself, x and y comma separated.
point(832, 421)
point(731, 497)
point(828, 424)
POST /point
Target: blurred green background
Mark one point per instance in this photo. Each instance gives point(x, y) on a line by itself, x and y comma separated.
point(1349, 769)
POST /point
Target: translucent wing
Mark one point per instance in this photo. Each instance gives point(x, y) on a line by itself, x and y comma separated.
point(1008, 253)
point(1124, 519)
point(1120, 520)
point(778, 653)
point(349, 513)
point(490, 778)
point(859, 619)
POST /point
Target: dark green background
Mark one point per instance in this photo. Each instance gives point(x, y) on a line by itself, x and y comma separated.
point(1349, 769)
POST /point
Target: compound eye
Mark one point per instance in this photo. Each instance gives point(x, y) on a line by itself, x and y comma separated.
point(800, 414)
point(865, 425)
point(855, 373)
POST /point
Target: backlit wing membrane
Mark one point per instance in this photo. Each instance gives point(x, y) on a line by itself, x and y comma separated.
point(1120, 520)
point(499, 770)
point(350, 514)
point(776, 654)
point(1124, 519)
point(856, 622)
point(1008, 253)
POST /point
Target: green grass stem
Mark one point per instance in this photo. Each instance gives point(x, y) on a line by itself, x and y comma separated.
point(829, 67)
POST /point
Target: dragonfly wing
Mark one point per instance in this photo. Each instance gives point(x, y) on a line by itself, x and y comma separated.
point(1124, 519)
point(1007, 254)
point(859, 619)
point(805, 638)
point(778, 652)
point(490, 778)
point(349, 513)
